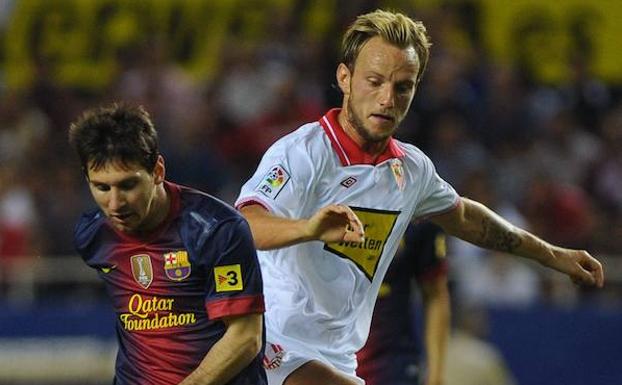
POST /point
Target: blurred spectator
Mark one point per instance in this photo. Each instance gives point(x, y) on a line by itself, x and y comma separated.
point(60, 207)
point(562, 213)
point(604, 183)
point(148, 77)
point(19, 232)
point(18, 217)
point(487, 278)
point(505, 117)
point(588, 97)
point(249, 83)
point(454, 152)
point(23, 128)
point(502, 281)
point(566, 150)
point(471, 359)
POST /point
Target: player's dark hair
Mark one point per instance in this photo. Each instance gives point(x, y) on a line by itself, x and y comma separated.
point(119, 133)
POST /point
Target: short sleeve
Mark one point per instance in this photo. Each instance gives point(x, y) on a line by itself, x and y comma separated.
point(428, 245)
point(282, 182)
point(234, 284)
point(437, 196)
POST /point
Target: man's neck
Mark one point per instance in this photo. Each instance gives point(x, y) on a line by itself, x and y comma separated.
point(159, 209)
point(372, 148)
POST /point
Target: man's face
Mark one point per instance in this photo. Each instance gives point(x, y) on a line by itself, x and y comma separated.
point(378, 92)
point(125, 193)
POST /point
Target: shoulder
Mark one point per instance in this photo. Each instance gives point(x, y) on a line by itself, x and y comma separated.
point(416, 160)
point(412, 152)
point(309, 140)
point(204, 216)
point(197, 204)
point(87, 228)
point(301, 152)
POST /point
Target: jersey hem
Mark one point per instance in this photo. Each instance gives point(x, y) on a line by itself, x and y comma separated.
point(252, 201)
point(425, 217)
point(235, 306)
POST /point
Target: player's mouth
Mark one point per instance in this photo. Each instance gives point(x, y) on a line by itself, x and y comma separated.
point(121, 218)
point(383, 118)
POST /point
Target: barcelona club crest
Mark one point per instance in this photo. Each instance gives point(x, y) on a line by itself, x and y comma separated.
point(142, 269)
point(177, 265)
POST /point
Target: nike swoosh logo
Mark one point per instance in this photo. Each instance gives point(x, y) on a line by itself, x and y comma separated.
point(107, 270)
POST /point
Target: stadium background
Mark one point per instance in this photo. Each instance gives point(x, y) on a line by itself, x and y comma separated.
point(520, 108)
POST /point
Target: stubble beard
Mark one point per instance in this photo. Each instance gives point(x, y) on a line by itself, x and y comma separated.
point(361, 130)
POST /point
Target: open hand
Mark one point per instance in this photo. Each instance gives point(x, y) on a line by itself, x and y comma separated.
point(335, 223)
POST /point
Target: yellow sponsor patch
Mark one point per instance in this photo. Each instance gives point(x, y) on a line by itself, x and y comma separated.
point(228, 278)
point(378, 225)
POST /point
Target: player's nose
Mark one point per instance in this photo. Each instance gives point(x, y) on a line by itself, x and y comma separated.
point(386, 96)
point(115, 200)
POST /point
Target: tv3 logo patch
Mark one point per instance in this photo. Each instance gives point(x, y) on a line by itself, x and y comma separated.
point(228, 278)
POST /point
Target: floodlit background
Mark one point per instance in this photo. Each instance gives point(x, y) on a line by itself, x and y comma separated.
point(520, 108)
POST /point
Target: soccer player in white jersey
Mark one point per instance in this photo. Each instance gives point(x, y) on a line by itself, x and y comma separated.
point(329, 203)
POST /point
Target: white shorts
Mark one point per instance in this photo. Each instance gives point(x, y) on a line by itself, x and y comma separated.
point(284, 356)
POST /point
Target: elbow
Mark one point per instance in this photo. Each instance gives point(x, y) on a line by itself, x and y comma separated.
point(261, 245)
point(251, 346)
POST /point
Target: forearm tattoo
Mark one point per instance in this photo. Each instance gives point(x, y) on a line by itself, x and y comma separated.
point(498, 237)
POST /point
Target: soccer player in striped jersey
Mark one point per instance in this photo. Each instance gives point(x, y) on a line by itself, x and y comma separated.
point(178, 264)
point(329, 203)
point(398, 351)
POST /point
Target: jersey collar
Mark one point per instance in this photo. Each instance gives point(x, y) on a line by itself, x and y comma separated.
point(348, 150)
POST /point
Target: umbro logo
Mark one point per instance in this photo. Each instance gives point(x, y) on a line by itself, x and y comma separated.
point(348, 182)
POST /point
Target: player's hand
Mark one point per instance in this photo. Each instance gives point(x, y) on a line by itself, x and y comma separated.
point(335, 223)
point(579, 265)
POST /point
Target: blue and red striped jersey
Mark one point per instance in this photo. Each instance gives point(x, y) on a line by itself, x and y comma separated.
point(171, 288)
point(394, 348)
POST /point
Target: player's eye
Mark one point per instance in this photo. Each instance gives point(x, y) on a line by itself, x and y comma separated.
point(374, 82)
point(102, 187)
point(128, 184)
point(404, 88)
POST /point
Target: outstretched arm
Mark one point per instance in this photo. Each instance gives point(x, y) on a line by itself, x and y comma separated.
point(477, 224)
point(333, 223)
point(233, 352)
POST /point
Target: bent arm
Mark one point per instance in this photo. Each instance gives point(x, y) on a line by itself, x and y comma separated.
point(332, 223)
point(477, 224)
point(233, 352)
point(437, 320)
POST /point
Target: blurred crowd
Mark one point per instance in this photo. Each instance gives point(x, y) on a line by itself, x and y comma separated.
point(548, 157)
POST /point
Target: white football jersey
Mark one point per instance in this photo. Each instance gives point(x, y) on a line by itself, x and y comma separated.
point(323, 294)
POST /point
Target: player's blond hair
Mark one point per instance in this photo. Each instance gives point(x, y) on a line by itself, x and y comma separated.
point(394, 27)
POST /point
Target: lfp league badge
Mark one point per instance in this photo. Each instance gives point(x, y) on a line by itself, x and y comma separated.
point(176, 265)
point(398, 173)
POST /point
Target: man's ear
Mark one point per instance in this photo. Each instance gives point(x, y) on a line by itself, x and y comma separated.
point(344, 78)
point(159, 171)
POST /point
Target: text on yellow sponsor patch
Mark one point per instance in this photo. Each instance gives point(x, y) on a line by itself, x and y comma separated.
point(228, 278)
point(378, 225)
